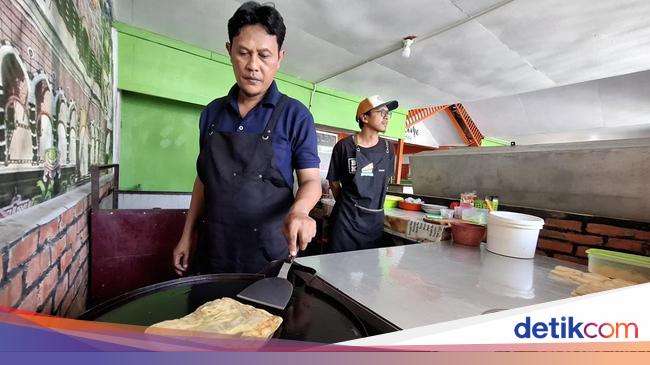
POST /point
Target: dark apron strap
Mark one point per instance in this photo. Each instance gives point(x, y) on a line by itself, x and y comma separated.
point(275, 116)
point(383, 198)
point(210, 124)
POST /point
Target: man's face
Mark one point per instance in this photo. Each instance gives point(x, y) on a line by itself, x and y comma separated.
point(255, 59)
point(377, 119)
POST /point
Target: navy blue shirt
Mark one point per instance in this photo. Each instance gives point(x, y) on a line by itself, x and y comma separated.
point(294, 137)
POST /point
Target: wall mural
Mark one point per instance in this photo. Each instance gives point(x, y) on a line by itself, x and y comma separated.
point(55, 97)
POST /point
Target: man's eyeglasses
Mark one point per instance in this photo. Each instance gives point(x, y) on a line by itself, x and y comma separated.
point(383, 113)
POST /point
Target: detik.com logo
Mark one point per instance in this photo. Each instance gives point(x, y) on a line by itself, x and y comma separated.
point(568, 327)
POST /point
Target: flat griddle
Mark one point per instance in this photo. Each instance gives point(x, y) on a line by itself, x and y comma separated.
point(317, 312)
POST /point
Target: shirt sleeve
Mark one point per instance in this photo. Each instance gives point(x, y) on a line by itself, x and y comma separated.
point(334, 172)
point(203, 125)
point(305, 145)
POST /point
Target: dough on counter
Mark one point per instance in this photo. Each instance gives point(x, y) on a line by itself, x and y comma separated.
point(588, 282)
point(596, 287)
point(224, 316)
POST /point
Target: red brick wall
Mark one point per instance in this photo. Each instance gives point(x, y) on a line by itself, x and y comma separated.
point(46, 270)
point(569, 238)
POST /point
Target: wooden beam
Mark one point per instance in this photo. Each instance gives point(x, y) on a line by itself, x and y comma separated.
point(399, 159)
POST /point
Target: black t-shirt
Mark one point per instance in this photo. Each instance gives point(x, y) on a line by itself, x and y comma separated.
point(343, 163)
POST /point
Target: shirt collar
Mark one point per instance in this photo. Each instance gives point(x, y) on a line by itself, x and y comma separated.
point(270, 99)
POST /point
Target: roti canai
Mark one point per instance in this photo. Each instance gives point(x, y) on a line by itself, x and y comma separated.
point(225, 316)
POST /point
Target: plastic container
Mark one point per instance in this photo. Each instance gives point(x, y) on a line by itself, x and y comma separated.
point(432, 208)
point(619, 265)
point(392, 201)
point(475, 215)
point(458, 210)
point(447, 213)
point(467, 233)
point(513, 234)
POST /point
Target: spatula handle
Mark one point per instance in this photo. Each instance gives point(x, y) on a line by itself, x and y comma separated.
point(286, 266)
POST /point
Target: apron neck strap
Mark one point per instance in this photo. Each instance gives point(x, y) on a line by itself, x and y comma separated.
point(356, 144)
point(219, 109)
point(277, 110)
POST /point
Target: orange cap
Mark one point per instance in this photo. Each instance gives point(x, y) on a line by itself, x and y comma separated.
point(373, 102)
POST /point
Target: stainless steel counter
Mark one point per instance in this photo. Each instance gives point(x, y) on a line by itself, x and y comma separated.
point(421, 284)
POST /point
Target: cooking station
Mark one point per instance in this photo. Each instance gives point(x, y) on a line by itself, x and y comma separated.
point(366, 292)
point(350, 295)
point(422, 284)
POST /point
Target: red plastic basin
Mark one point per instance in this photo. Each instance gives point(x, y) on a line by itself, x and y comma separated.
point(467, 233)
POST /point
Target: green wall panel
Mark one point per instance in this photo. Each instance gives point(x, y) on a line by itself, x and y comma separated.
point(334, 111)
point(494, 142)
point(293, 90)
point(158, 143)
point(158, 70)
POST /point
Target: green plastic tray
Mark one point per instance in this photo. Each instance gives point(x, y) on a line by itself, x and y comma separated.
point(624, 258)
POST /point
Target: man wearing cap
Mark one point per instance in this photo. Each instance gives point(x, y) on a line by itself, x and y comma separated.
point(359, 172)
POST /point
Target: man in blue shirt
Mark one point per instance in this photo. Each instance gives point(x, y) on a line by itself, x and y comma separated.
point(243, 213)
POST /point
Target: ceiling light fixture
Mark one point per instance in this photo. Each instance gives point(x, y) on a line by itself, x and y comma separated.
point(406, 45)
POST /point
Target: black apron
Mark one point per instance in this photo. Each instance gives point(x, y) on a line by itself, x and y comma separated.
point(358, 222)
point(246, 200)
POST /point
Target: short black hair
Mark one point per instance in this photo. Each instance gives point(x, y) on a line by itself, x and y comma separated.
point(252, 12)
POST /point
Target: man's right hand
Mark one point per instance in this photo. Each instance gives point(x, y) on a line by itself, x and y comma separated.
point(182, 255)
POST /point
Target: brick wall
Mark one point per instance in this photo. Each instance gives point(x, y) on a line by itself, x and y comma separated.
point(568, 238)
point(46, 270)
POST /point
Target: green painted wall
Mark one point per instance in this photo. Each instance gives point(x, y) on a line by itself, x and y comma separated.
point(158, 143)
point(166, 83)
point(154, 69)
point(494, 142)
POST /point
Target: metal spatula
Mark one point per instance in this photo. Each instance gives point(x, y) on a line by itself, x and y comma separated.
point(274, 292)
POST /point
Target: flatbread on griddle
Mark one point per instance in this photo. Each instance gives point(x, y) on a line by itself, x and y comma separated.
point(225, 316)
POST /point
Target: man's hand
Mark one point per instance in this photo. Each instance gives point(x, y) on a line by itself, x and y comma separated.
point(299, 229)
point(182, 254)
point(185, 247)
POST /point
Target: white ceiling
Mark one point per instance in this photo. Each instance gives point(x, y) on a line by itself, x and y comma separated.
point(611, 108)
point(466, 50)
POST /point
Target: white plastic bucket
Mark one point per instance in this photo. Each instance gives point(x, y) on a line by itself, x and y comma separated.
point(513, 234)
point(507, 276)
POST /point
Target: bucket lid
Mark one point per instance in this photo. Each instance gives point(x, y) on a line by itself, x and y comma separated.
point(513, 218)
